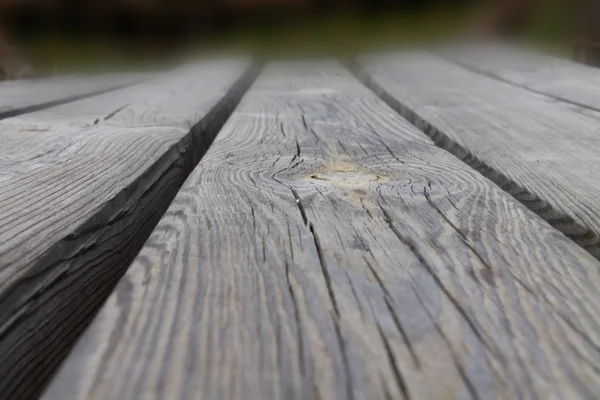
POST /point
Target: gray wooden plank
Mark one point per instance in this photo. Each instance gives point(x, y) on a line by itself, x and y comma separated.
point(78, 200)
point(17, 97)
point(170, 101)
point(556, 77)
point(324, 248)
point(543, 151)
point(144, 104)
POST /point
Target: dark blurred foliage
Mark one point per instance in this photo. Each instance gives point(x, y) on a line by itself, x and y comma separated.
point(156, 28)
point(334, 27)
point(179, 18)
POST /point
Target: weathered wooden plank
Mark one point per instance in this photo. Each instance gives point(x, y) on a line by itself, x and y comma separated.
point(556, 77)
point(148, 104)
point(326, 249)
point(542, 151)
point(17, 97)
point(171, 100)
point(77, 202)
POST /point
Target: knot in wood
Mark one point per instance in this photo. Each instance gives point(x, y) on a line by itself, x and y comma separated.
point(347, 177)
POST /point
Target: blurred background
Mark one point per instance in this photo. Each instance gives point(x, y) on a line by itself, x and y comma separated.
point(64, 36)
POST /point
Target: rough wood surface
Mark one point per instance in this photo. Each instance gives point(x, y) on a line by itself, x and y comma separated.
point(543, 151)
point(78, 200)
point(555, 77)
point(326, 249)
point(17, 97)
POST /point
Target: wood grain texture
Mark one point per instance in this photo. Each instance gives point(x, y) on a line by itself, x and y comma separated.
point(326, 249)
point(543, 151)
point(559, 78)
point(18, 97)
point(77, 202)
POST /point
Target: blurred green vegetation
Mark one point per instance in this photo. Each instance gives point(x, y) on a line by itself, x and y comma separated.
point(554, 28)
point(62, 55)
point(345, 34)
point(329, 34)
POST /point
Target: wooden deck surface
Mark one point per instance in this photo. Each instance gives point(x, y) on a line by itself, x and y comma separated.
point(426, 229)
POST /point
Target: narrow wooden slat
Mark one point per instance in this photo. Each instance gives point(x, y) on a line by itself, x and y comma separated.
point(556, 77)
point(148, 103)
point(168, 101)
point(78, 199)
point(325, 249)
point(543, 151)
point(17, 97)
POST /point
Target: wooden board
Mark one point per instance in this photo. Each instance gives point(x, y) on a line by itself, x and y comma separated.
point(543, 151)
point(78, 200)
point(18, 97)
point(144, 104)
point(325, 249)
point(555, 77)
